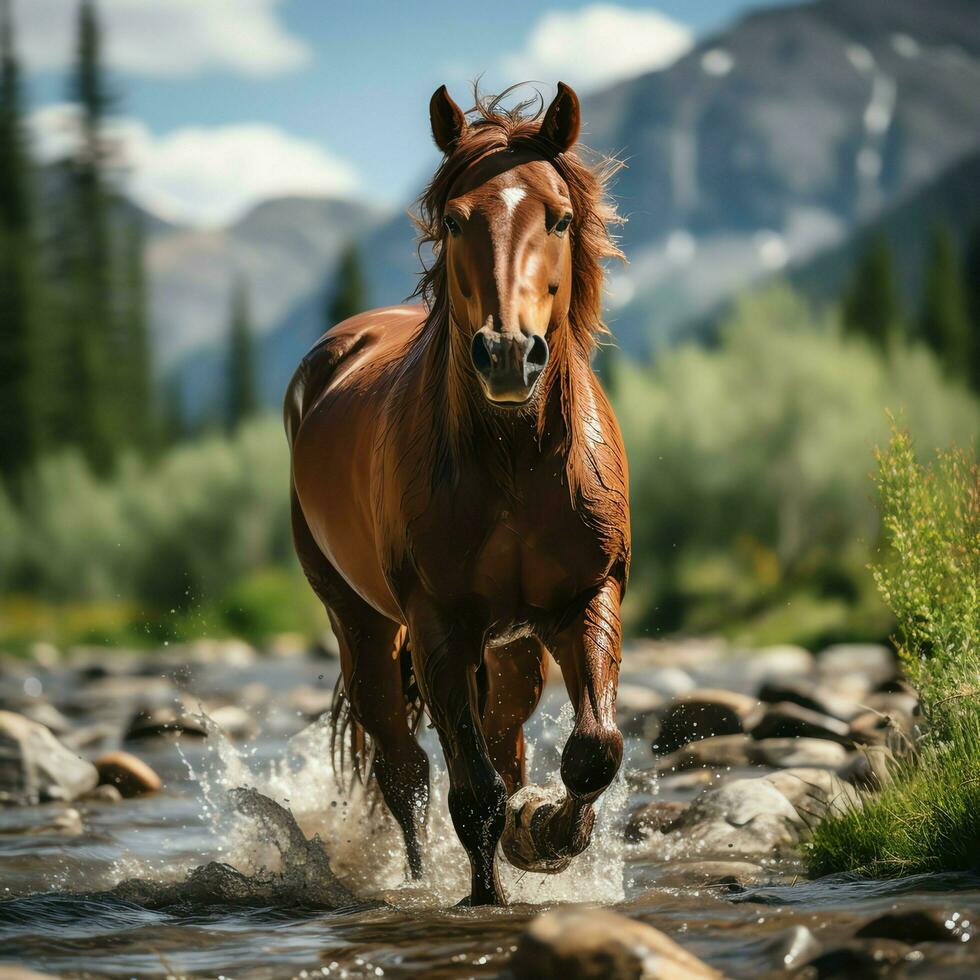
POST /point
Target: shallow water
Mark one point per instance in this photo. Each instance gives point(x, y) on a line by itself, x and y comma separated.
point(271, 840)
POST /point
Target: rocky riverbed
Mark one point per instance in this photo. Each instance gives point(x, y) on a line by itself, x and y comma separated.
point(176, 813)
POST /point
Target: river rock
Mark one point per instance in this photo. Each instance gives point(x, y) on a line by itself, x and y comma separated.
point(633, 698)
point(855, 961)
point(686, 654)
point(717, 751)
point(129, 774)
point(789, 720)
point(685, 874)
point(895, 730)
point(784, 660)
point(872, 660)
point(733, 751)
point(286, 645)
point(164, 721)
point(103, 793)
point(31, 821)
point(234, 721)
point(46, 714)
point(914, 926)
point(644, 725)
point(703, 713)
point(653, 818)
point(310, 701)
point(114, 697)
point(872, 768)
point(747, 817)
point(814, 793)
point(35, 767)
point(808, 694)
point(669, 682)
point(596, 944)
point(787, 753)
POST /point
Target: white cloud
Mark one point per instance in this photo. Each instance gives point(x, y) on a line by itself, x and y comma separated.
point(597, 45)
point(168, 38)
point(204, 176)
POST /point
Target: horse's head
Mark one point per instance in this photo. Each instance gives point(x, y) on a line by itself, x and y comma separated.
point(506, 240)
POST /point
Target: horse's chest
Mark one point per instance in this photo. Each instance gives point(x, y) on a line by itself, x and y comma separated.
point(517, 557)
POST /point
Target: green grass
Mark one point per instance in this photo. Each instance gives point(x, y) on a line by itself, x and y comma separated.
point(928, 818)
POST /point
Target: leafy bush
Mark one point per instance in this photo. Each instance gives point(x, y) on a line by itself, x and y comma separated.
point(750, 476)
point(928, 819)
point(197, 541)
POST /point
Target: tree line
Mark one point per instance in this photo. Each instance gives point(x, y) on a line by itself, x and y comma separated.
point(76, 351)
point(948, 317)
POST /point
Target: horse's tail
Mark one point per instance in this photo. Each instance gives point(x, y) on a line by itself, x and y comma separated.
point(351, 750)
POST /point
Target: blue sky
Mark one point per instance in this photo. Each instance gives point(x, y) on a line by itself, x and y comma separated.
point(226, 101)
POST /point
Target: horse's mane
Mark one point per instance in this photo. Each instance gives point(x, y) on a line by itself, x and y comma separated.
point(491, 129)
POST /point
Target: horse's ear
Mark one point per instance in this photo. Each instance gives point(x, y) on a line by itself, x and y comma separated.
point(562, 120)
point(448, 121)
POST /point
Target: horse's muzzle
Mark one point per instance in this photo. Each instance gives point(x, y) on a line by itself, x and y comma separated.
point(508, 363)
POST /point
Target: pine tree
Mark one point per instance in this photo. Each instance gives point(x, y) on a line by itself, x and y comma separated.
point(135, 384)
point(870, 305)
point(943, 321)
point(19, 421)
point(241, 383)
point(971, 287)
point(89, 415)
point(349, 294)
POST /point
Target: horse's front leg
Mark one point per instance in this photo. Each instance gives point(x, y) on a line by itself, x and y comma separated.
point(544, 834)
point(447, 655)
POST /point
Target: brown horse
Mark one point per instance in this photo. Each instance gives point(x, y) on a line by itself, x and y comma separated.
point(460, 494)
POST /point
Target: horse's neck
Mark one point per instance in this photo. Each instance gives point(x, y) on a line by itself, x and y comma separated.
point(466, 431)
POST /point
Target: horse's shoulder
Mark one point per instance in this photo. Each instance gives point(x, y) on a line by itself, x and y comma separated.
point(376, 330)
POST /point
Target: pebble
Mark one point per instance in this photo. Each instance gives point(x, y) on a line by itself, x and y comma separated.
point(130, 775)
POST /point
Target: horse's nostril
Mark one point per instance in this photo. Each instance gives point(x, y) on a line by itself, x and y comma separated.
point(480, 353)
point(537, 355)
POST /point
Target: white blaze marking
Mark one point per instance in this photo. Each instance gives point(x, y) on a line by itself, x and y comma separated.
point(512, 196)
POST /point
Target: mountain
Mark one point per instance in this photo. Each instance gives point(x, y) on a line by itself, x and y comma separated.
point(765, 145)
point(951, 200)
point(283, 248)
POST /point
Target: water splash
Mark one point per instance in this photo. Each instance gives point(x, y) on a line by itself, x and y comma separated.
point(348, 821)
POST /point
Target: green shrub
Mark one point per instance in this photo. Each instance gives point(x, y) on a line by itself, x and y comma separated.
point(749, 471)
point(928, 819)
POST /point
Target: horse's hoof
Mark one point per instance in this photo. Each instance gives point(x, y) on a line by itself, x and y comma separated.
point(528, 811)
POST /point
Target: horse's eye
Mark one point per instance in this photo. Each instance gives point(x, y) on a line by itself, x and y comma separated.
point(563, 222)
point(452, 225)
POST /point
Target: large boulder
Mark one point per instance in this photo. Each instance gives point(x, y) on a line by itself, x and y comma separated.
point(703, 713)
point(596, 944)
point(762, 816)
point(35, 767)
point(743, 817)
